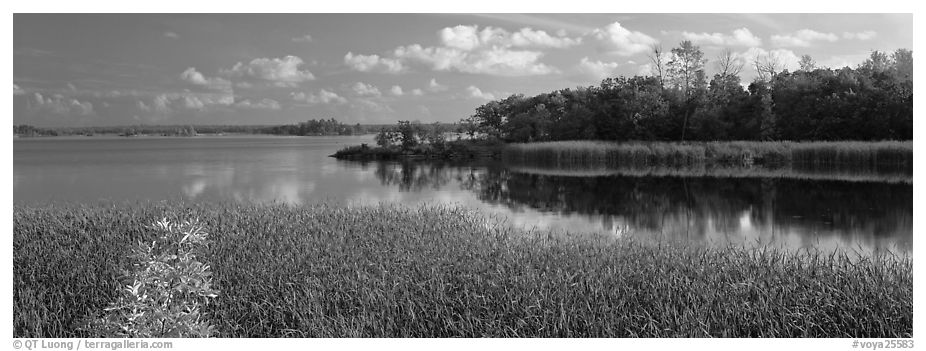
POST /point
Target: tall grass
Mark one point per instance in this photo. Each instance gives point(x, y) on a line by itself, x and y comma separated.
point(437, 271)
point(724, 172)
point(841, 155)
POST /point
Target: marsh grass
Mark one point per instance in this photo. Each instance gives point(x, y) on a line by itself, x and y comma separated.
point(810, 156)
point(722, 172)
point(438, 271)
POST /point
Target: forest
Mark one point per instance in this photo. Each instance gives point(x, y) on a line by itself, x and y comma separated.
point(677, 102)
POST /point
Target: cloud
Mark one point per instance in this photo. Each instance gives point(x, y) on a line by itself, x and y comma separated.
point(280, 71)
point(528, 37)
point(263, 104)
point(58, 104)
point(460, 37)
point(739, 37)
point(596, 69)
point(72, 87)
point(475, 92)
point(802, 38)
point(396, 90)
point(469, 38)
point(323, 97)
point(373, 63)
point(171, 35)
point(417, 92)
point(190, 75)
point(866, 35)
point(493, 61)
point(193, 102)
point(469, 49)
point(166, 103)
point(616, 39)
point(17, 90)
point(433, 85)
point(840, 61)
point(364, 89)
point(303, 39)
point(161, 103)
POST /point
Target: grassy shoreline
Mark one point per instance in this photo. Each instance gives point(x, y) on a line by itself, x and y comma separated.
point(437, 271)
point(836, 155)
point(451, 150)
point(723, 172)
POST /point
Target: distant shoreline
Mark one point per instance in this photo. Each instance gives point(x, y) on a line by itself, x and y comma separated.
point(198, 135)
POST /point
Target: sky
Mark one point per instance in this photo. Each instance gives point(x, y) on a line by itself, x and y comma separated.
point(128, 69)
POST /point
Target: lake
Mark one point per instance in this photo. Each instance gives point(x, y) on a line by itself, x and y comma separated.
point(839, 212)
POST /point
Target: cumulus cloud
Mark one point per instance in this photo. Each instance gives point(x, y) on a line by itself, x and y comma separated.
point(263, 104)
point(492, 61)
point(470, 38)
point(322, 97)
point(433, 85)
point(166, 103)
point(596, 69)
point(193, 102)
point(190, 75)
point(739, 37)
point(364, 89)
point(161, 103)
point(280, 71)
point(171, 35)
point(17, 90)
point(396, 90)
point(802, 38)
point(616, 39)
point(373, 63)
point(303, 39)
point(866, 35)
point(469, 49)
point(475, 92)
point(460, 37)
point(58, 104)
point(840, 61)
point(527, 37)
point(417, 92)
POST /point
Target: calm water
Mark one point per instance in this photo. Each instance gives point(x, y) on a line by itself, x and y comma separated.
point(861, 215)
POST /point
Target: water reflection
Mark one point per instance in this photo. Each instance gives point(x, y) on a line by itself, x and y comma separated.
point(794, 208)
point(787, 211)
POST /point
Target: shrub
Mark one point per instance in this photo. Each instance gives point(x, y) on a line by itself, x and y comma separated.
point(169, 288)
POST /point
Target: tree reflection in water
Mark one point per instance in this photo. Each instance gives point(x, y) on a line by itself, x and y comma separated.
point(800, 212)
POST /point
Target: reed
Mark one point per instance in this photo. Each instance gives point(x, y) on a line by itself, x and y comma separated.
point(438, 271)
point(839, 155)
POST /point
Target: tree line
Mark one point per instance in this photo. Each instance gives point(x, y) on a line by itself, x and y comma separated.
point(310, 127)
point(677, 102)
point(316, 127)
